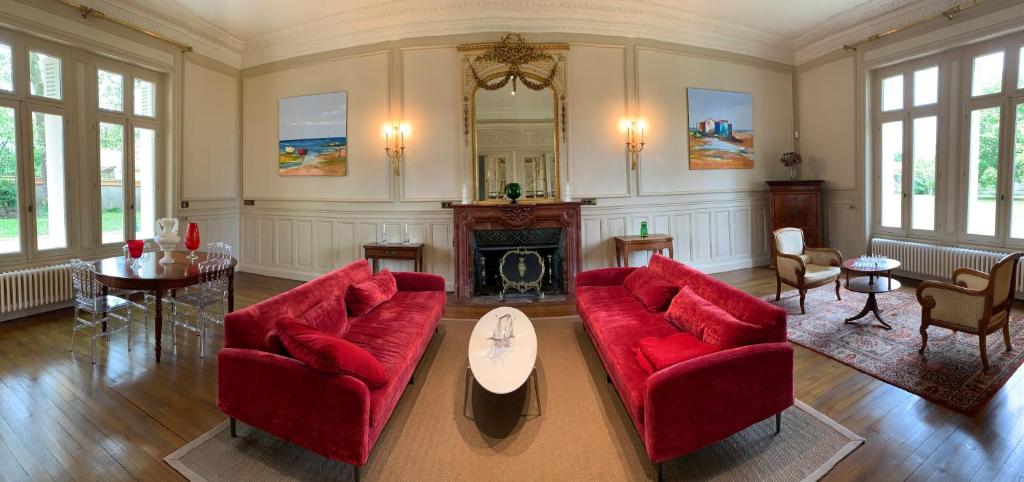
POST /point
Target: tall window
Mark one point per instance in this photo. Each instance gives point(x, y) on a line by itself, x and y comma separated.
point(981, 114)
point(10, 221)
point(908, 109)
point(126, 103)
point(33, 133)
point(995, 140)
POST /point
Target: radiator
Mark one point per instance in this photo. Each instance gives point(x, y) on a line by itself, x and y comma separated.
point(25, 289)
point(932, 261)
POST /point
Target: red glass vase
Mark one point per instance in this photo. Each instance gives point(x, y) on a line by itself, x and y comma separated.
point(192, 239)
point(135, 250)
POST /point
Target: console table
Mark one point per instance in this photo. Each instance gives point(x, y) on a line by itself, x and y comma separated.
point(628, 244)
point(397, 251)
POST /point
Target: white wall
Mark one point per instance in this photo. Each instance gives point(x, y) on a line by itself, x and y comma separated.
point(826, 113)
point(300, 227)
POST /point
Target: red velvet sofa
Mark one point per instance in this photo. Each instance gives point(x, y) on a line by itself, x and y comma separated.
point(336, 416)
point(699, 401)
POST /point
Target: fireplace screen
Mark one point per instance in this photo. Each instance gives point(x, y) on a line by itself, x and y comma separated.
point(517, 262)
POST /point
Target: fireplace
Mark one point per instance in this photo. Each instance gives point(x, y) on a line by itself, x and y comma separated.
point(517, 262)
point(515, 250)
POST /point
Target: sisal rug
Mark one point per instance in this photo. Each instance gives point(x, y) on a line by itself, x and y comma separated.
point(582, 434)
point(950, 371)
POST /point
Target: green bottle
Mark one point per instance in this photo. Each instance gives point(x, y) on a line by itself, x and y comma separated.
point(643, 229)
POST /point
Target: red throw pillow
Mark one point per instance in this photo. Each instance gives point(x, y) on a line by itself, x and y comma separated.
point(709, 323)
point(644, 363)
point(327, 353)
point(365, 296)
point(652, 290)
point(329, 316)
point(665, 352)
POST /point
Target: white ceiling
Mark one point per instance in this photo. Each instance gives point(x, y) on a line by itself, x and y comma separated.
point(247, 19)
point(245, 33)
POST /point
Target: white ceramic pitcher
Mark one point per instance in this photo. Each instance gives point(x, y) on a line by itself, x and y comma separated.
point(167, 238)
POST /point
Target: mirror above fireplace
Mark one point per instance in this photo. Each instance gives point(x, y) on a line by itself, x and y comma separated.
point(514, 115)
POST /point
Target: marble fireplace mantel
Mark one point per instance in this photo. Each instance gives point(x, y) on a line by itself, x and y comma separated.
point(473, 217)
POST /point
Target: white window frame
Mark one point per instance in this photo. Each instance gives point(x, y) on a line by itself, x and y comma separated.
point(129, 120)
point(1007, 100)
point(906, 115)
point(24, 105)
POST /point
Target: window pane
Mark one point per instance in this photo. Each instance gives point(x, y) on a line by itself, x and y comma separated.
point(1020, 69)
point(892, 174)
point(10, 227)
point(926, 86)
point(892, 93)
point(987, 76)
point(44, 75)
point(922, 214)
point(983, 159)
point(145, 183)
point(1017, 211)
point(145, 102)
point(48, 164)
point(112, 182)
point(6, 68)
point(110, 90)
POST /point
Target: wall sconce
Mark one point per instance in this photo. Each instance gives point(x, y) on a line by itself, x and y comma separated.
point(635, 130)
point(394, 144)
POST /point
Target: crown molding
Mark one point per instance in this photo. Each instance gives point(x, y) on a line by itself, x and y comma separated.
point(172, 20)
point(863, 21)
point(399, 19)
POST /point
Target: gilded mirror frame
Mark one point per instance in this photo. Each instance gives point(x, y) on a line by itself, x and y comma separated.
point(513, 58)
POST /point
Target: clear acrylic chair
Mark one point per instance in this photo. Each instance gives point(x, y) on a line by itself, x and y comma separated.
point(208, 301)
point(89, 298)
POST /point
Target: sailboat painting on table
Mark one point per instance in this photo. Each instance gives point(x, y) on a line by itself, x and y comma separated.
point(313, 135)
point(721, 130)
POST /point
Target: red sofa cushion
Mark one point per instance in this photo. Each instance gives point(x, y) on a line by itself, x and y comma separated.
point(327, 353)
point(365, 296)
point(396, 334)
point(652, 290)
point(665, 352)
point(709, 323)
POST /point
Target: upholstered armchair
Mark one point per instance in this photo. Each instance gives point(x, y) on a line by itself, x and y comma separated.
point(977, 303)
point(802, 267)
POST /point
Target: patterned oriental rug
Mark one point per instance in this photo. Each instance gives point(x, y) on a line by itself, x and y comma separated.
point(949, 373)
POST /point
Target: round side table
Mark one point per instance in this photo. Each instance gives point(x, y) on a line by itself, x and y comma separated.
point(871, 278)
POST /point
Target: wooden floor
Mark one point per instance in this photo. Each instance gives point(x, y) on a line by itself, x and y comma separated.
point(63, 418)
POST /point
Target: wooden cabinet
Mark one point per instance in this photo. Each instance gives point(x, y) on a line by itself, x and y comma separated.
point(796, 204)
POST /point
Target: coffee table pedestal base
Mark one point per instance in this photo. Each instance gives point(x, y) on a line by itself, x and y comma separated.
point(870, 307)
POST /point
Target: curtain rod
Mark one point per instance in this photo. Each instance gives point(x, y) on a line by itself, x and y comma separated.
point(948, 13)
point(89, 11)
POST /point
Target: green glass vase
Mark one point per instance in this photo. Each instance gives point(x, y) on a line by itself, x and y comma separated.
point(513, 190)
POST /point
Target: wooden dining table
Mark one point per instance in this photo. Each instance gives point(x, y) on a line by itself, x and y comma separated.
point(150, 275)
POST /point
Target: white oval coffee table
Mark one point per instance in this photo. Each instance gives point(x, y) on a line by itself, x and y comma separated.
point(502, 370)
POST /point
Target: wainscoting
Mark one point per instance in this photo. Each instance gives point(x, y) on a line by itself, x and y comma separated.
point(714, 235)
point(301, 245)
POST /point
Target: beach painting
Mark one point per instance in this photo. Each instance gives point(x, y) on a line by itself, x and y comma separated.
point(721, 129)
point(313, 135)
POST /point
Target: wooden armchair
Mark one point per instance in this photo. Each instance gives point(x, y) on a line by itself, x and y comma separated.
point(976, 303)
point(801, 267)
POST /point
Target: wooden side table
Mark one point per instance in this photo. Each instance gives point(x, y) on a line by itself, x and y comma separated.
point(627, 244)
point(398, 251)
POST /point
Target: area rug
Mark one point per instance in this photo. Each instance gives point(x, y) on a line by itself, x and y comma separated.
point(583, 433)
point(950, 371)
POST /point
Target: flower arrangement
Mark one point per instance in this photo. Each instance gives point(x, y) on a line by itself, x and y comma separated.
point(791, 160)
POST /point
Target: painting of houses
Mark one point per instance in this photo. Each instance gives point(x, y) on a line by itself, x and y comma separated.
point(313, 135)
point(721, 129)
